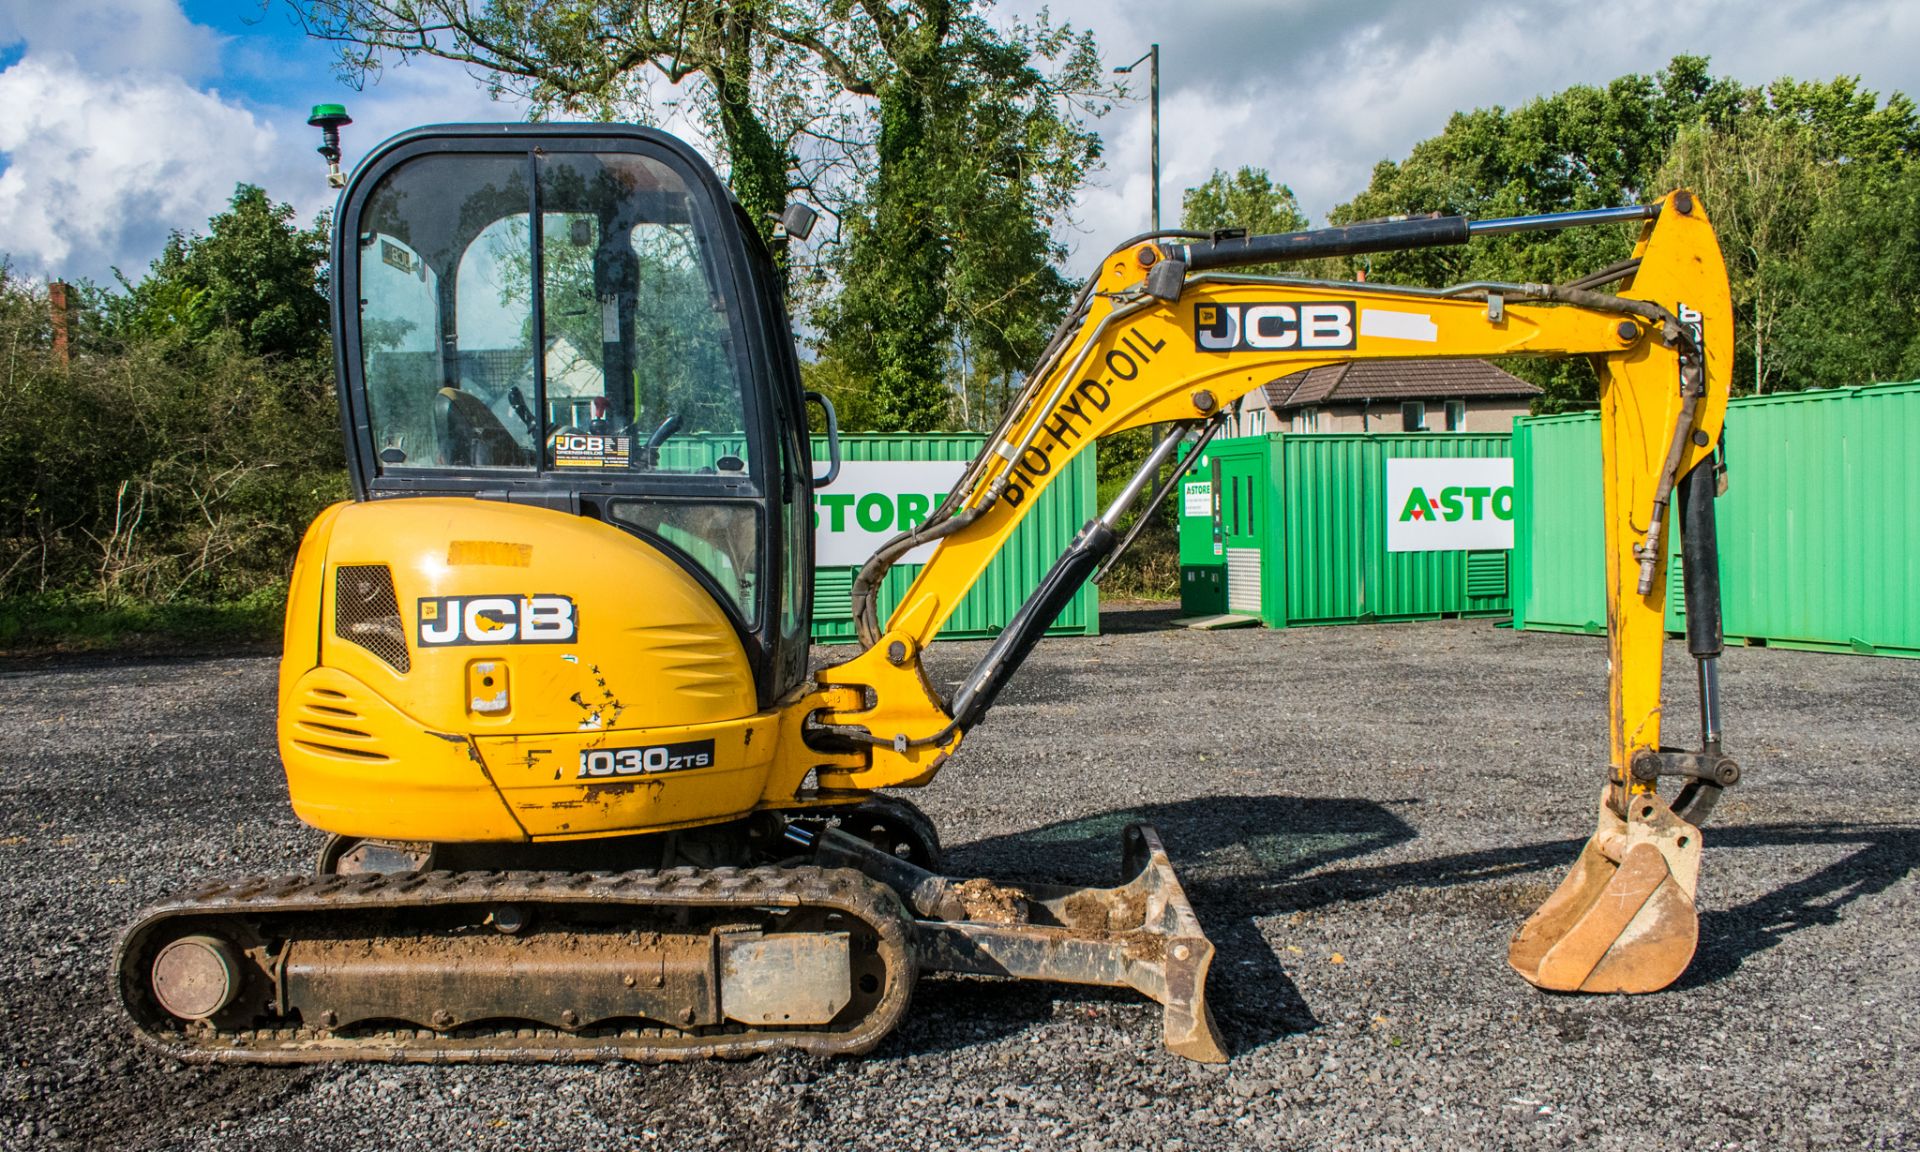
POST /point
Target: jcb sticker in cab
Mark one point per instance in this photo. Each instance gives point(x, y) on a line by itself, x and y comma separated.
point(448, 620)
point(1273, 327)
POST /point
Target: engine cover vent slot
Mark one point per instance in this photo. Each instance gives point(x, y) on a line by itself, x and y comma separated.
point(366, 612)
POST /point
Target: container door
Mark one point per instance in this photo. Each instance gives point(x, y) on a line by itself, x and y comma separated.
point(1240, 525)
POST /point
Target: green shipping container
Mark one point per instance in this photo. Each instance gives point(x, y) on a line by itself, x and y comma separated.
point(1300, 524)
point(1068, 503)
point(1817, 547)
point(1558, 555)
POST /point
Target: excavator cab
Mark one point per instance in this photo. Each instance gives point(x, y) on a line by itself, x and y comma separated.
point(578, 317)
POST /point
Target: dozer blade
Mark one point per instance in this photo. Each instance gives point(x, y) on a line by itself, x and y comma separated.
point(1623, 920)
point(1141, 935)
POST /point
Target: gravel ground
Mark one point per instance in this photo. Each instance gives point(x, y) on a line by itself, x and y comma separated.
point(1362, 815)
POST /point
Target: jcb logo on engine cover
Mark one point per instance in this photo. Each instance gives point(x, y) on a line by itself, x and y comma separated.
point(1273, 327)
point(448, 620)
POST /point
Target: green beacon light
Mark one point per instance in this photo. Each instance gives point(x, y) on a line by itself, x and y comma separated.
point(330, 118)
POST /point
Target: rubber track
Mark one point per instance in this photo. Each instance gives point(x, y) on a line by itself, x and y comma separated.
point(842, 890)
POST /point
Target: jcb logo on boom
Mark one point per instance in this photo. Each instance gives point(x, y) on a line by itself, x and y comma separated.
point(1273, 327)
point(449, 620)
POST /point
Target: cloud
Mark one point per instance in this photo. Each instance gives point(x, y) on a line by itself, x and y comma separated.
point(99, 168)
point(115, 134)
point(113, 141)
point(1319, 91)
point(114, 35)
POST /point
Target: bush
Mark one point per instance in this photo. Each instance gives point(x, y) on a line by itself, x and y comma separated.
point(151, 469)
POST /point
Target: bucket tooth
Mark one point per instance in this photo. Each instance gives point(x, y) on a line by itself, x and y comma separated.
point(1623, 920)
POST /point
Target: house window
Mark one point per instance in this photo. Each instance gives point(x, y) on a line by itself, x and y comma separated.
point(1257, 422)
point(1456, 415)
point(1413, 416)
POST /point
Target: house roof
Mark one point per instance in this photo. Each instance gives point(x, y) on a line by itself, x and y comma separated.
point(1395, 380)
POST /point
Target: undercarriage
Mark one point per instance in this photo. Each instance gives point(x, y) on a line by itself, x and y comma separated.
point(388, 956)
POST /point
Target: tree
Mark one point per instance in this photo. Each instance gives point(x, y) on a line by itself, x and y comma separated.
point(978, 155)
point(1763, 186)
point(1582, 147)
point(1775, 166)
point(1247, 199)
point(256, 274)
point(161, 461)
point(1853, 316)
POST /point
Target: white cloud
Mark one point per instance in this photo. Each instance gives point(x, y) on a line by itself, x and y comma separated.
point(114, 140)
point(1319, 91)
point(113, 135)
point(114, 35)
point(100, 168)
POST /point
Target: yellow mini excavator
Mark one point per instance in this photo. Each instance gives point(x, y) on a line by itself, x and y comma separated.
point(546, 682)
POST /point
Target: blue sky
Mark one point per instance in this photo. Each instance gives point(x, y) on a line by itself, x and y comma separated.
point(266, 58)
point(267, 61)
point(126, 119)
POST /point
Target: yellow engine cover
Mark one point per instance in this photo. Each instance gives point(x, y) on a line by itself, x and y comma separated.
point(461, 670)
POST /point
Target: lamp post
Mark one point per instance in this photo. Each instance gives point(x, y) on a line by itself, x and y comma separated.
point(1153, 97)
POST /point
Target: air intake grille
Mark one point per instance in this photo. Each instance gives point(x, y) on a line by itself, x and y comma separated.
point(366, 613)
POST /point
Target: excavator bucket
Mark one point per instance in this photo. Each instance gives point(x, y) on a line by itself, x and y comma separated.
point(1623, 919)
point(1141, 935)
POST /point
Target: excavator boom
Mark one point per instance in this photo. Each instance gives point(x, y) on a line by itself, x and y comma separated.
point(1162, 337)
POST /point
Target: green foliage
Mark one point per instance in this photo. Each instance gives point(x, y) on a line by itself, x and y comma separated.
point(850, 392)
point(1812, 196)
point(255, 275)
point(979, 153)
point(1796, 175)
point(1854, 312)
point(1151, 568)
point(176, 455)
point(88, 623)
point(1247, 199)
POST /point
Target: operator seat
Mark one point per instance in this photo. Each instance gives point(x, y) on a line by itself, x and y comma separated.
point(471, 435)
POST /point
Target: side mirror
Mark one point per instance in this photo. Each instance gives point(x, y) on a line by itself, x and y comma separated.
point(797, 221)
point(833, 439)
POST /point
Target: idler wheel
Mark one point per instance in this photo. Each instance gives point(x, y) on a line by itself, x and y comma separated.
point(196, 976)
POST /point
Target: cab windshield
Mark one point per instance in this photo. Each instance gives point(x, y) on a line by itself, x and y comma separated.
point(580, 333)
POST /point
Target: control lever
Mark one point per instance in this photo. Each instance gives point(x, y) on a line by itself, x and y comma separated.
point(517, 400)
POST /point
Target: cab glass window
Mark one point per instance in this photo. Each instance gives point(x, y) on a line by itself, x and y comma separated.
point(641, 366)
point(622, 359)
point(445, 324)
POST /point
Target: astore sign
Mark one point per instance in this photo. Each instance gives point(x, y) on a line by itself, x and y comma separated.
point(1446, 505)
point(872, 501)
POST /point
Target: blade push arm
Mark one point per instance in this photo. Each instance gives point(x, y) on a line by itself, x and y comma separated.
point(1148, 347)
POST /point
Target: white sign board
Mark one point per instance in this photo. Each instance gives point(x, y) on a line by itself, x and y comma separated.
point(872, 501)
point(1197, 497)
point(1447, 505)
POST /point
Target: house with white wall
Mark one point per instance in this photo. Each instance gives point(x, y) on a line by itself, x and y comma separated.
point(1387, 396)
